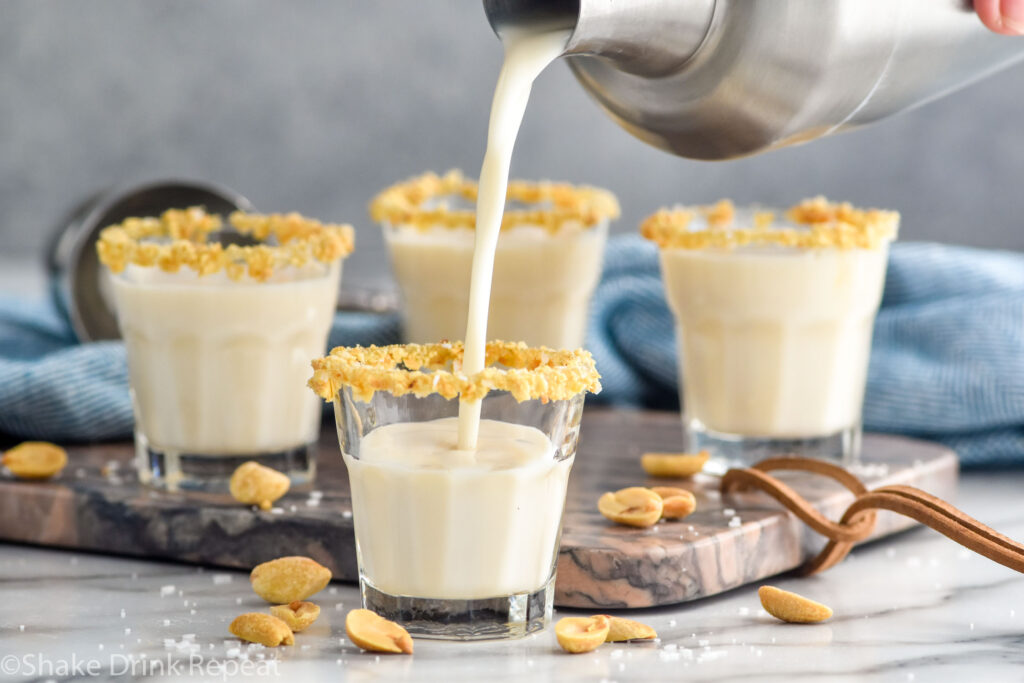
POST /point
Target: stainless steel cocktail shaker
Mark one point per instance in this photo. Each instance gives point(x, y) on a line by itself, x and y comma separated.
point(715, 79)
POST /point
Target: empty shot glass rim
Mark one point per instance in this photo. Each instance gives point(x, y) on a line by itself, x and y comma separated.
point(526, 373)
point(180, 238)
point(813, 223)
point(418, 202)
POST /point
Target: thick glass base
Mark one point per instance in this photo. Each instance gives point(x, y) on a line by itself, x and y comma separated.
point(513, 616)
point(733, 450)
point(176, 471)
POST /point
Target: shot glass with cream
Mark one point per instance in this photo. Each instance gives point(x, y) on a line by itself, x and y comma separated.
point(219, 325)
point(457, 544)
point(547, 264)
point(774, 321)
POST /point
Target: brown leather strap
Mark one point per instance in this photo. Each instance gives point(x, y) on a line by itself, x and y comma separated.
point(859, 519)
point(796, 504)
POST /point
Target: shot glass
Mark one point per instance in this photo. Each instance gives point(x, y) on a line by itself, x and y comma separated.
point(774, 323)
point(547, 264)
point(218, 326)
point(456, 544)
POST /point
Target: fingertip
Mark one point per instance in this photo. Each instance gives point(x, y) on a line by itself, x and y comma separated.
point(1005, 17)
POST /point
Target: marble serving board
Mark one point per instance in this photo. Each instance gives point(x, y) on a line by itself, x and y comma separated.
point(97, 504)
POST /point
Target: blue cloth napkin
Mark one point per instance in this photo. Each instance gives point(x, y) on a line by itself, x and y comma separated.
point(947, 361)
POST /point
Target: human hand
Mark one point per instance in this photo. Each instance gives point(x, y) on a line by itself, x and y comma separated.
point(1002, 16)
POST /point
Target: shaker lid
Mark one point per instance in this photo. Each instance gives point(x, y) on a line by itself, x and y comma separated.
point(76, 275)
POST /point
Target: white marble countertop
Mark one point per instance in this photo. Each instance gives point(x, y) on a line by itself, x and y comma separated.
point(913, 607)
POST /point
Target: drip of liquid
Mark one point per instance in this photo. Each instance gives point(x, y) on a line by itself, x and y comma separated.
point(526, 55)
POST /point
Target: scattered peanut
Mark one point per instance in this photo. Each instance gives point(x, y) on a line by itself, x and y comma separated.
point(577, 635)
point(633, 506)
point(264, 629)
point(675, 503)
point(287, 579)
point(621, 629)
point(373, 632)
point(669, 491)
point(254, 484)
point(298, 615)
point(673, 464)
point(791, 607)
point(35, 460)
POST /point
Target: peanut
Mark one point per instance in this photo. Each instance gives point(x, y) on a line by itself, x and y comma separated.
point(35, 460)
point(287, 579)
point(582, 634)
point(298, 615)
point(791, 607)
point(264, 629)
point(254, 484)
point(621, 629)
point(373, 632)
point(633, 506)
point(675, 503)
point(673, 464)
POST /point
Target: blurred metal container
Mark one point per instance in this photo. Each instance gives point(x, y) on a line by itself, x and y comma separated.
point(717, 79)
point(77, 281)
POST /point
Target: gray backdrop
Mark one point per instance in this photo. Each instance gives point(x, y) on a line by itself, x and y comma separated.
point(314, 105)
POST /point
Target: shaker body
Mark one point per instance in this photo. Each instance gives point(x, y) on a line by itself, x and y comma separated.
point(717, 79)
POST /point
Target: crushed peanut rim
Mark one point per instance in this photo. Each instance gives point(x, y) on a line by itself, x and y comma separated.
point(816, 224)
point(415, 202)
point(526, 373)
point(178, 238)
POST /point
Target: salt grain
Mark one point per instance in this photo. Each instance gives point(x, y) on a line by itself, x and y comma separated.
point(728, 512)
point(221, 579)
point(167, 622)
point(735, 523)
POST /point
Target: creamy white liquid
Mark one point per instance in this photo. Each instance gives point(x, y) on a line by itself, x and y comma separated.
point(433, 521)
point(774, 342)
point(220, 367)
point(540, 292)
point(526, 56)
